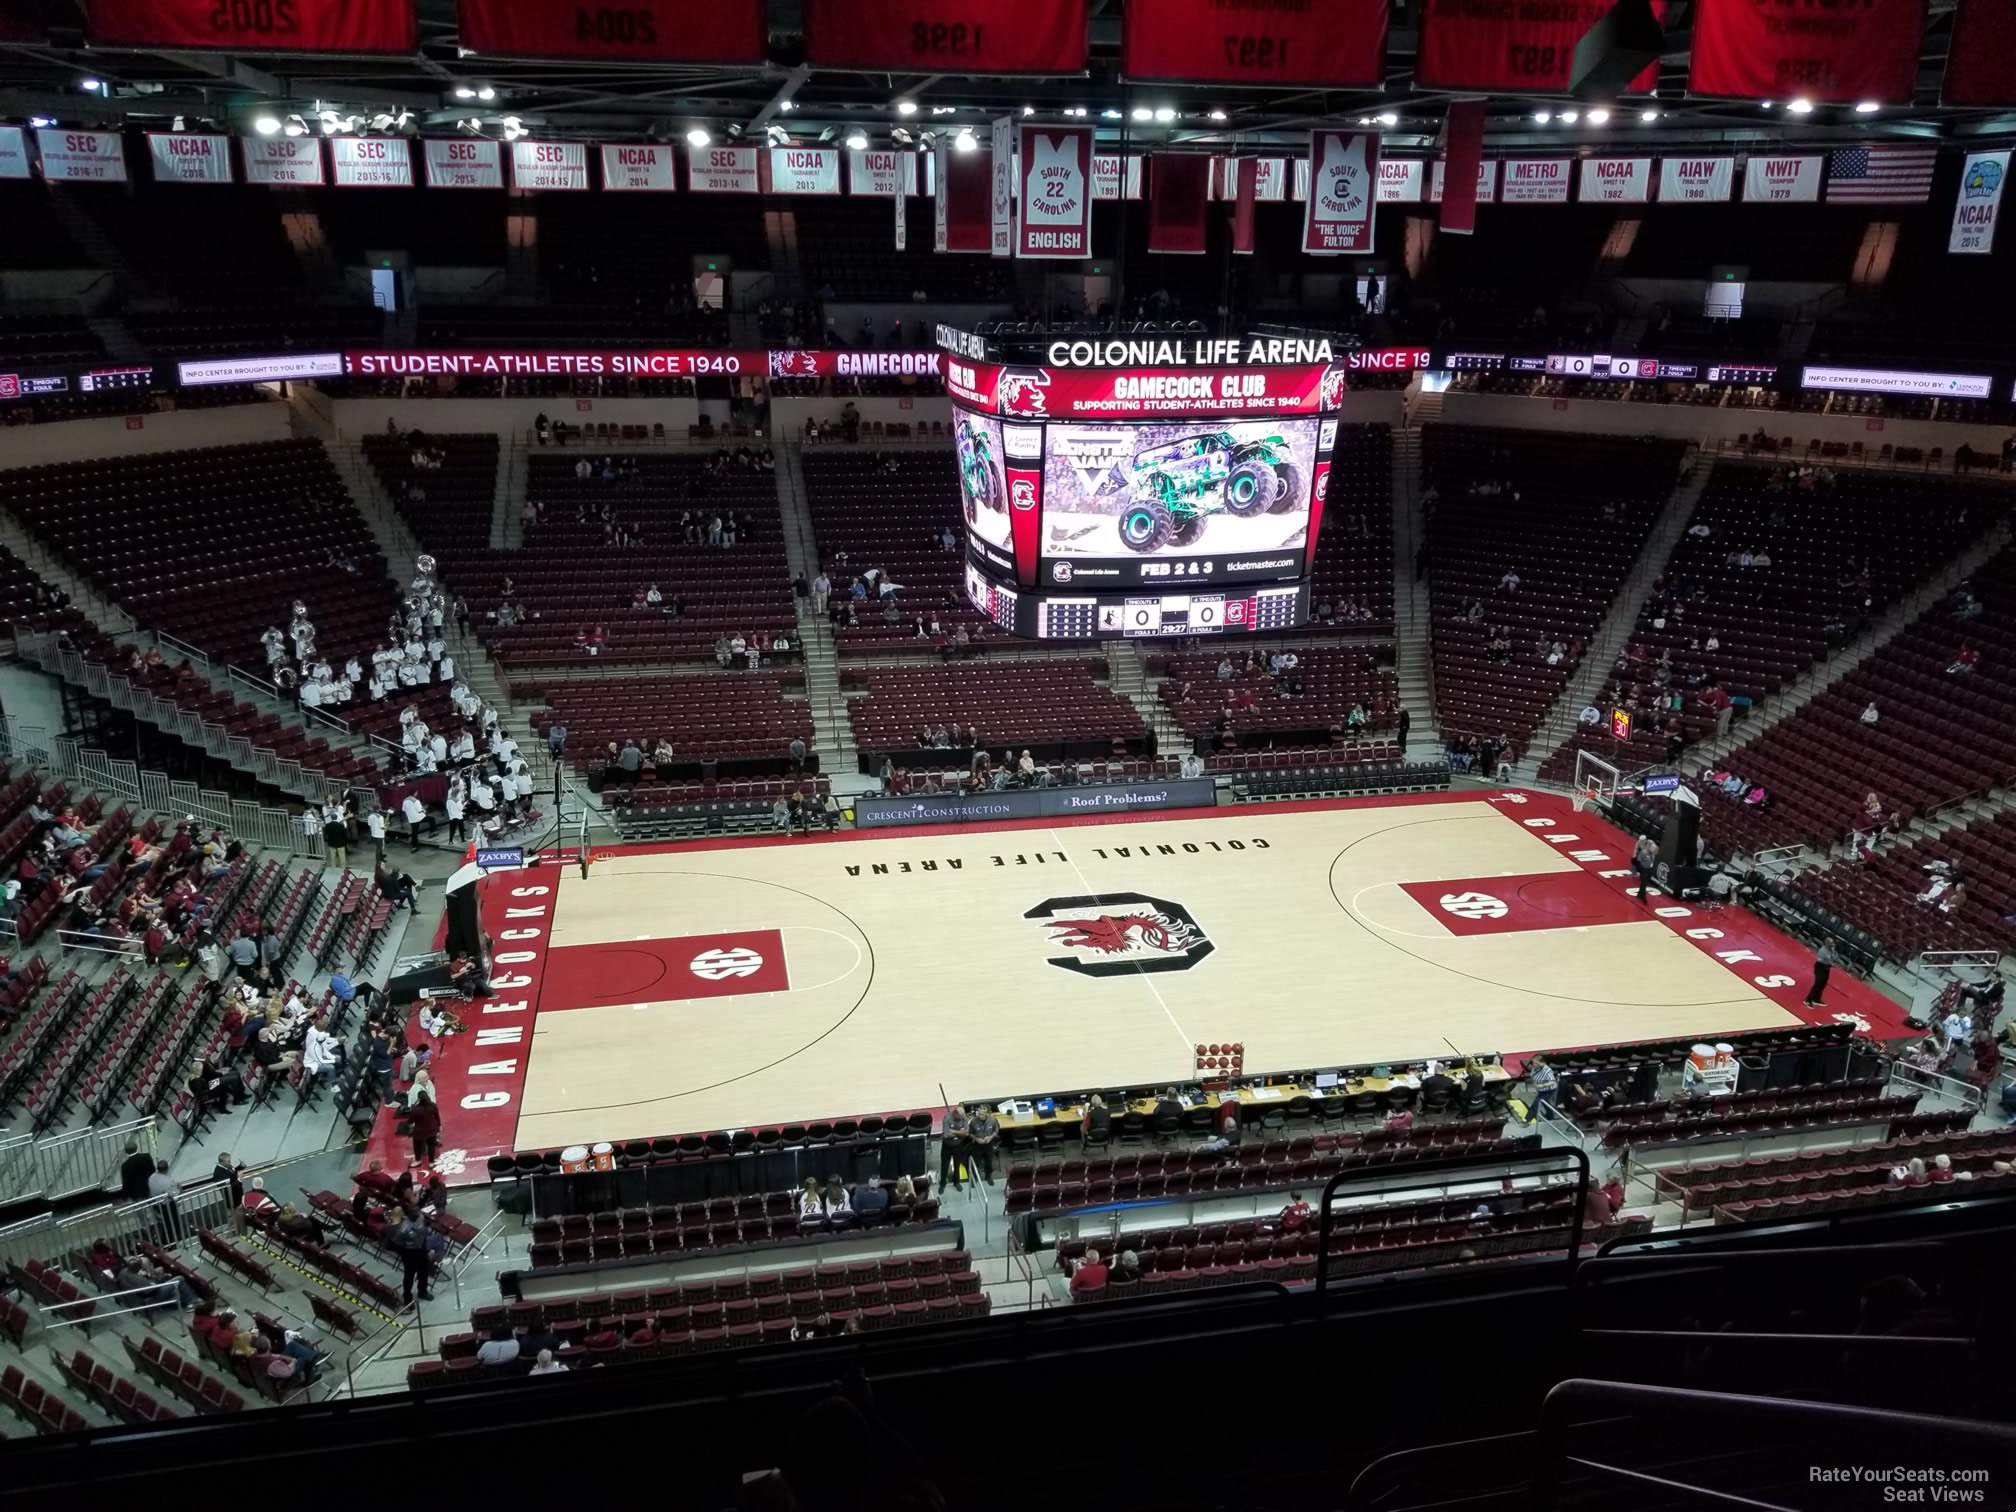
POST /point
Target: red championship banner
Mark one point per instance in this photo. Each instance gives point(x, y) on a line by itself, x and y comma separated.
point(81, 157)
point(1343, 180)
point(1179, 197)
point(549, 165)
point(371, 162)
point(962, 207)
point(1514, 49)
point(1055, 165)
point(283, 161)
point(1340, 44)
point(1270, 180)
point(639, 167)
point(189, 157)
point(1245, 176)
point(1981, 63)
point(1470, 178)
point(303, 26)
point(1046, 37)
point(657, 31)
point(1768, 50)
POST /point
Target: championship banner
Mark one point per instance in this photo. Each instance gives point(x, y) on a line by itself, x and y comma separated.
point(1001, 189)
point(1270, 185)
point(722, 170)
point(1338, 216)
point(454, 163)
point(81, 157)
point(1463, 157)
point(1534, 181)
point(882, 173)
point(1696, 180)
point(1054, 165)
point(1110, 172)
point(298, 26)
point(961, 205)
point(1338, 45)
point(371, 162)
point(561, 166)
point(1793, 180)
point(1245, 175)
point(189, 157)
point(13, 153)
point(1179, 195)
point(1616, 181)
point(902, 210)
point(1041, 37)
point(1980, 202)
point(639, 167)
point(654, 31)
point(1507, 49)
point(1980, 62)
point(282, 161)
point(1756, 50)
point(804, 170)
point(1401, 181)
point(1487, 181)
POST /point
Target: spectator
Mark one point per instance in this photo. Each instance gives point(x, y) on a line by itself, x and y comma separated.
point(425, 1111)
point(135, 1171)
point(1293, 1218)
point(546, 1364)
point(161, 1184)
point(954, 1146)
point(871, 1202)
point(1088, 1275)
point(1541, 1082)
point(500, 1348)
point(984, 1132)
point(409, 1238)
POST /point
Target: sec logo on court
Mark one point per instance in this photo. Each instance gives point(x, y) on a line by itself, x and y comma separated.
point(1474, 905)
point(1119, 934)
point(720, 965)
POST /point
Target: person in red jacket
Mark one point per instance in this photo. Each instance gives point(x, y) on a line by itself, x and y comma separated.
point(1088, 1275)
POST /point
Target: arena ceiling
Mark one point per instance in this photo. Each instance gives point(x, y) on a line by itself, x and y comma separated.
point(47, 70)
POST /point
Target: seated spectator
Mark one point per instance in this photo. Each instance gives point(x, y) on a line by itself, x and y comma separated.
point(1293, 1218)
point(1965, 660)
point(1942, 1168)
point(501, 1348)
point(257, 1203)
point(1088, 1274)
point(870, 1202)
point(546, 1364)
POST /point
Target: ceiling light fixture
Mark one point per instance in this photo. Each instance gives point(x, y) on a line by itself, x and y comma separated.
point(464, 92)
point(698, 136)
point(1165, 115)
point(787, 105)
point(486, 93)
point(857, 141)
point(296, 128)
point(1543, 116)
point(1217, 115)
point(1800, 107)
point(1647, 117)
point(906, 107)
point(964, 141)
point(1028, 110)
point(1598, 116)
point(1387, 119)
point(1867, 107)
point(1110, 115)
point(93, 86)
point(41, 121)
point(1143, 113)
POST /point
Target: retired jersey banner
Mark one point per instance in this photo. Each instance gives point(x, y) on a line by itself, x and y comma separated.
point(1179, 199)
point(1402, 181)
point(1340, 44)
point(559, 166)
point(81, 157)
point(1344, 170)
point(13, 153)
point(1767, 50)
point(804, 170)
point(285, 162)
point(371, 162)
point(1043, 37)
point(189, 157)
point(301, 26)
point(1696, 180)
point(722, 170)
point(962, 203)
point(1981, 61)
point(644, 31)
point(1783, 180)
point(1513, 49)
point(1616, 181)
point(882, 173)
point(639, 167)
point(1053, 165)
point(456, 163)
point(1116, 177)
point(1534, 181)
point(1979, 204)
point(1245, 176)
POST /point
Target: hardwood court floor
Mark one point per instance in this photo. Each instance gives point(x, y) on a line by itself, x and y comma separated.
point(715, 988)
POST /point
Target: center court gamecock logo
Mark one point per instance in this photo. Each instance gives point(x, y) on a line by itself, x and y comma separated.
point(1120, 934)
point(720, 965)
point(1474, 905)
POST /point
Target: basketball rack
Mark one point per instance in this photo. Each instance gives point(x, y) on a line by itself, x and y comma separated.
point(1596, 782)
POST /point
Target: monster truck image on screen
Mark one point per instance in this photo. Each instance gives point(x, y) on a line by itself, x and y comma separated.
point(983, 486)
point(1175, 490)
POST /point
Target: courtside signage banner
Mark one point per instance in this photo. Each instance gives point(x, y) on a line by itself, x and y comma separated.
point(656, 31)
point(1336, 45)
point(326, 26)
point(1116, 177)
point(1035, 803)
point(453, 163)
point(882, 173)
point(1767, 50)
point(189, 157)
point(1616, 181)
point(639, 167)
point(722, 170)
point(1344, 169)
point(1783, 180)
point(13, 153)
point(1891, 381)
point(283, 161)
point(1045, 37)
point(549, 165)
point(1054, 168)
point(1979, 204)
point(1487, 182)
point(1534, 181)
point(1696, 180)
point(371, 162)
point(1511, 49)
point(81, 157)
point(1402, 181)
point(804, 170)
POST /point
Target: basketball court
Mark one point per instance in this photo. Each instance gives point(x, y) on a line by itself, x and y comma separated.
point(752, 982)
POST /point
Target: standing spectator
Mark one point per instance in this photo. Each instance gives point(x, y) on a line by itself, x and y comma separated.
point(244, 953)
point(161, 1184)
point(408, 1237)
point(953, 1147)
point(415, 812)
point(1541, 1083)
point(1824, 962)
point(374, 826)
point(336, 837)
point(134, 1172)
point(1718, 700)
point(425, 1111)
point(232, 1172)
point(822, 591)
point(984, 1132)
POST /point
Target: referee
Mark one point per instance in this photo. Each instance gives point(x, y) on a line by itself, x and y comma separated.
point(1644, 858)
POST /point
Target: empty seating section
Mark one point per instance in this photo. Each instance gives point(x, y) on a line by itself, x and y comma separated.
point(29, 342)
point(1665, 1124)
point(866, 515)
point(1880, 895)
point(468, 234)
point(1547, 524)
point(1053, 707)
point(1334, 680)
point(452, 514)
point(1837, 548)
point(1510, 285)
point(567, 577)
point(36, 236)
point(1856, 1173)
point(709, 716)
point(1939, 736)
point(844, 244)
point(1354, 549)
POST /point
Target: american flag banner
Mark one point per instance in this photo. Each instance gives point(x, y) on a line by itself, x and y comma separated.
point(1880, 174)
